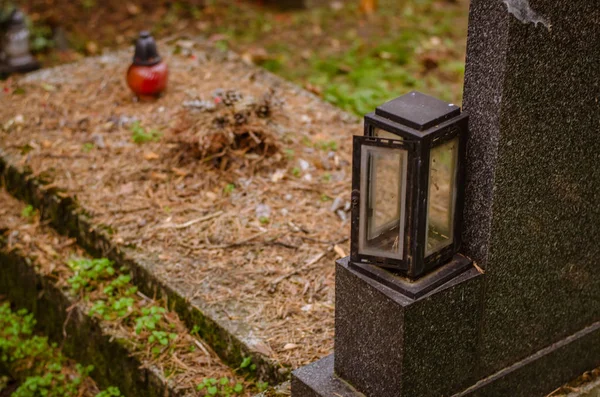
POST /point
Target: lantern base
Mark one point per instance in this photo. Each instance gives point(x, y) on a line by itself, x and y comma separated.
point(415, 288)
point(389, 345)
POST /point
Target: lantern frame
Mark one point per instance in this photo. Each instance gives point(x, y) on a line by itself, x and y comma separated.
point(416, 124)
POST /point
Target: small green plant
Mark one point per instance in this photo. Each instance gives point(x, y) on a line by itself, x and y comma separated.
point(140, 135)
point(45, 371)
point(289, 154)
point(247, 364)
point(229, 188)
point(328, 146)
point(122, 306)
point(264, 220)
point(262, 386)
point(118, 302)
point(29, 213)
point(120, 285)
point(296, 172)
point(110, 392)
point(40, 37)
point(100, 309)
point(88, 272)
point(223, 387)
point(88, 147)
point(53, 383)
point(162, 337)
point(149, 319)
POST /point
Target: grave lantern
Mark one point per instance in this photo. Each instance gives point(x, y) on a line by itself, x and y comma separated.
point(15, 55)
point(148, 74)
point(407, 186)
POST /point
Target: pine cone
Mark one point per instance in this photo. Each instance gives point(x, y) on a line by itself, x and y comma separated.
point(240, 118)
point(220, 122)
point(231, 97)
point(263, 110)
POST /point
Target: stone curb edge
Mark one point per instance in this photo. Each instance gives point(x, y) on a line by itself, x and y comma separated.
point(81, 337)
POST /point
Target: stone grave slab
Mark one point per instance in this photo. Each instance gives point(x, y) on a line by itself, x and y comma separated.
point(247, 244)
point(532, 92)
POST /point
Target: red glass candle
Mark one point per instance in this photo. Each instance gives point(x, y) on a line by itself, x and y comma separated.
point(147, 76)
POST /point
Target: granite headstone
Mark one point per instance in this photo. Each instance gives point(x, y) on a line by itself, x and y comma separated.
point(532, 90)
point(532, 224)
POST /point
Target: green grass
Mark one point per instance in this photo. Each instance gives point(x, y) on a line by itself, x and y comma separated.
point(354, 62)
point(140, 134)
point(29, 213)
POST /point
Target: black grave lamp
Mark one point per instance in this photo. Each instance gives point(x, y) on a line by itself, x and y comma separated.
point(15, 55)
point(407, 188)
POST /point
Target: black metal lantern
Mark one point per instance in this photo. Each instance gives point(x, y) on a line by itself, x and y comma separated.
point(15, 55)
point(407, 186)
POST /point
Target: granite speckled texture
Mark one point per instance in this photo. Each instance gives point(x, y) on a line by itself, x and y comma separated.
point(388, 345)
point(532, 218)
point(544, 371)
point(532, 222)
point(536, 375)
point(318, 380)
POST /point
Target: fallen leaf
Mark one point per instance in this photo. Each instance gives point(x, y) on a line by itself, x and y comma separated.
point(278, 175)
point(48, 87)
point(262, 348)
point(180, 171)
point(132, 9)
point(151, 156)
point(159, 176)
point(91, 47)
point(290, 346)
point(126, 188)
point(211, 196)
point(339, 251)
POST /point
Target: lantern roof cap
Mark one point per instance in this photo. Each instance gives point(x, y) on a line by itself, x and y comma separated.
point(146, 53)
point(418, 111)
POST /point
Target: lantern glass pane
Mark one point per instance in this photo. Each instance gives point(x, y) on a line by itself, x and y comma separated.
point(383, 191)
point(379, 133)
point(442, 196)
